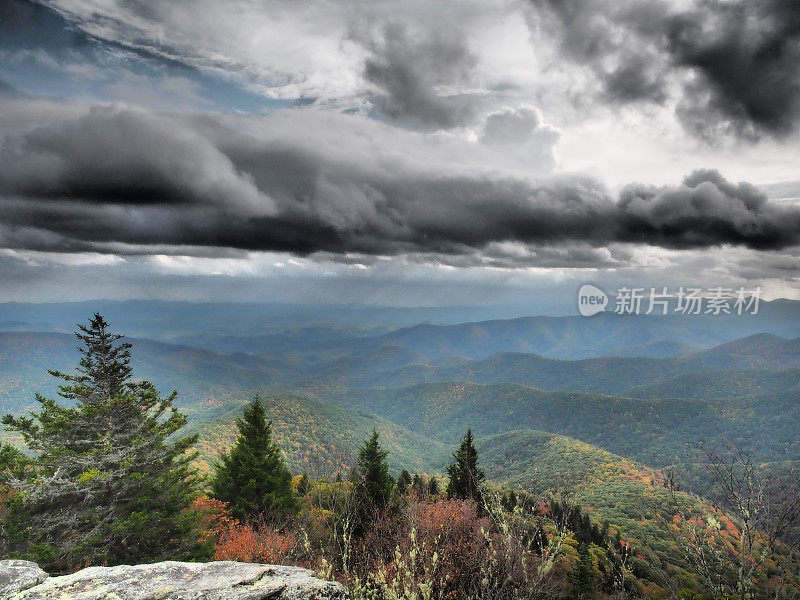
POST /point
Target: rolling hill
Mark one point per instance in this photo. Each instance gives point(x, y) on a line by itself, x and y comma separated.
point(655, 431)
point(320, 438)
point(611, 489)
point(721, 384)
point(198, 374)
point(605, 375)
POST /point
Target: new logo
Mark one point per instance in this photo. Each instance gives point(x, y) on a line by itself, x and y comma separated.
point(591, 300)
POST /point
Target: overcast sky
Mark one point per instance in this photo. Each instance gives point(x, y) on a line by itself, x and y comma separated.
point(406, 153)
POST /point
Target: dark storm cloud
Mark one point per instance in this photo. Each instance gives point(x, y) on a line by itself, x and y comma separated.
point(736, 62)
point(619, 40)
point(128, 157)
point(748, 56)
point(116, 177)
point(705, 210)
point(407, 70)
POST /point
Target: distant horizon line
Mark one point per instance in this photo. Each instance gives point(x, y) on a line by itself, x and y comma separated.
point(289, 303)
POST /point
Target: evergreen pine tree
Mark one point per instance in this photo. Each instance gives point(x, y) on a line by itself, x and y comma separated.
point(465, 476)
point(418, 487)
point(12, 462)
point(433, 487)
point(372, 483)
point(252, 478)
point(109, 481)
point(583, 528)
point(582, 575)
point(403, 482)
point(604, 531)
point(510, 501)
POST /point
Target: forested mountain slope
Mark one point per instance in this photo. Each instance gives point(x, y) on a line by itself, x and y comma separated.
point(654, 410)
point(655, 431)
point(200, 374)
point(605, 375)
point(320, 438)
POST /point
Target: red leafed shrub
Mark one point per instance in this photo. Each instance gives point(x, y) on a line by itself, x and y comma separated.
point(456, 520)
point(214, 517)
point(453, 529)
point(448, 550)
point(257, 544)
point(239, 541)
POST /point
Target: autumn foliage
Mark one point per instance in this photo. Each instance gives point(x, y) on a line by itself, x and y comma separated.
point(239, 541)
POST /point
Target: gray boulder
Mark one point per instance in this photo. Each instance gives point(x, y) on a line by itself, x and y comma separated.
point(18, 575)
point(167, 581)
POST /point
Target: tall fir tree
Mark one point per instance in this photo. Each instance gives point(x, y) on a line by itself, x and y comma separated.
point(252, 478)
point(584, 585)
point(418, 487)
point(465, 475)
point(510, 501)
point(372, 483)
point(110, 482)
point(433, 487)
point(403, 482)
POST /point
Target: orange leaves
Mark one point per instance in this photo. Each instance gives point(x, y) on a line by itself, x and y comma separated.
point(455, 533)
point(453, 519)
point(239, 541)
point(247, 543)
point(214, 517)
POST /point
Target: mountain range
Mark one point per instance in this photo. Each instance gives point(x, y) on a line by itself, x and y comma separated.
point(552, 400)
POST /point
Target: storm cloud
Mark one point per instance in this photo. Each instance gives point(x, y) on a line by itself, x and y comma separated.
point(411, 74)
point(721, 67)
point(729, 67)
point(116, 178)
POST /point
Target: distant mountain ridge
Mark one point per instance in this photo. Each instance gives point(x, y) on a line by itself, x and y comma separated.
point(199, 374)
point(604, 375)
point(326, 332)
point(656, 431)
point(602, 334)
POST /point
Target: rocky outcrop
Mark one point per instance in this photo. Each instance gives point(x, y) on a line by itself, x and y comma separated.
point(19, 575)
point(21, 580)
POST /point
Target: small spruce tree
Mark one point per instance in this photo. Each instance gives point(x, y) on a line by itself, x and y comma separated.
point(433, 487)
point(109, 482)
point(252, 478)
point(403, 482)
point(465, 476)
point(510, 501)
point(582, 576)
point(418, 487)
point(372, 483)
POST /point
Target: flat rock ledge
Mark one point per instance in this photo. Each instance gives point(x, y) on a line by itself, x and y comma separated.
point(22, 580)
